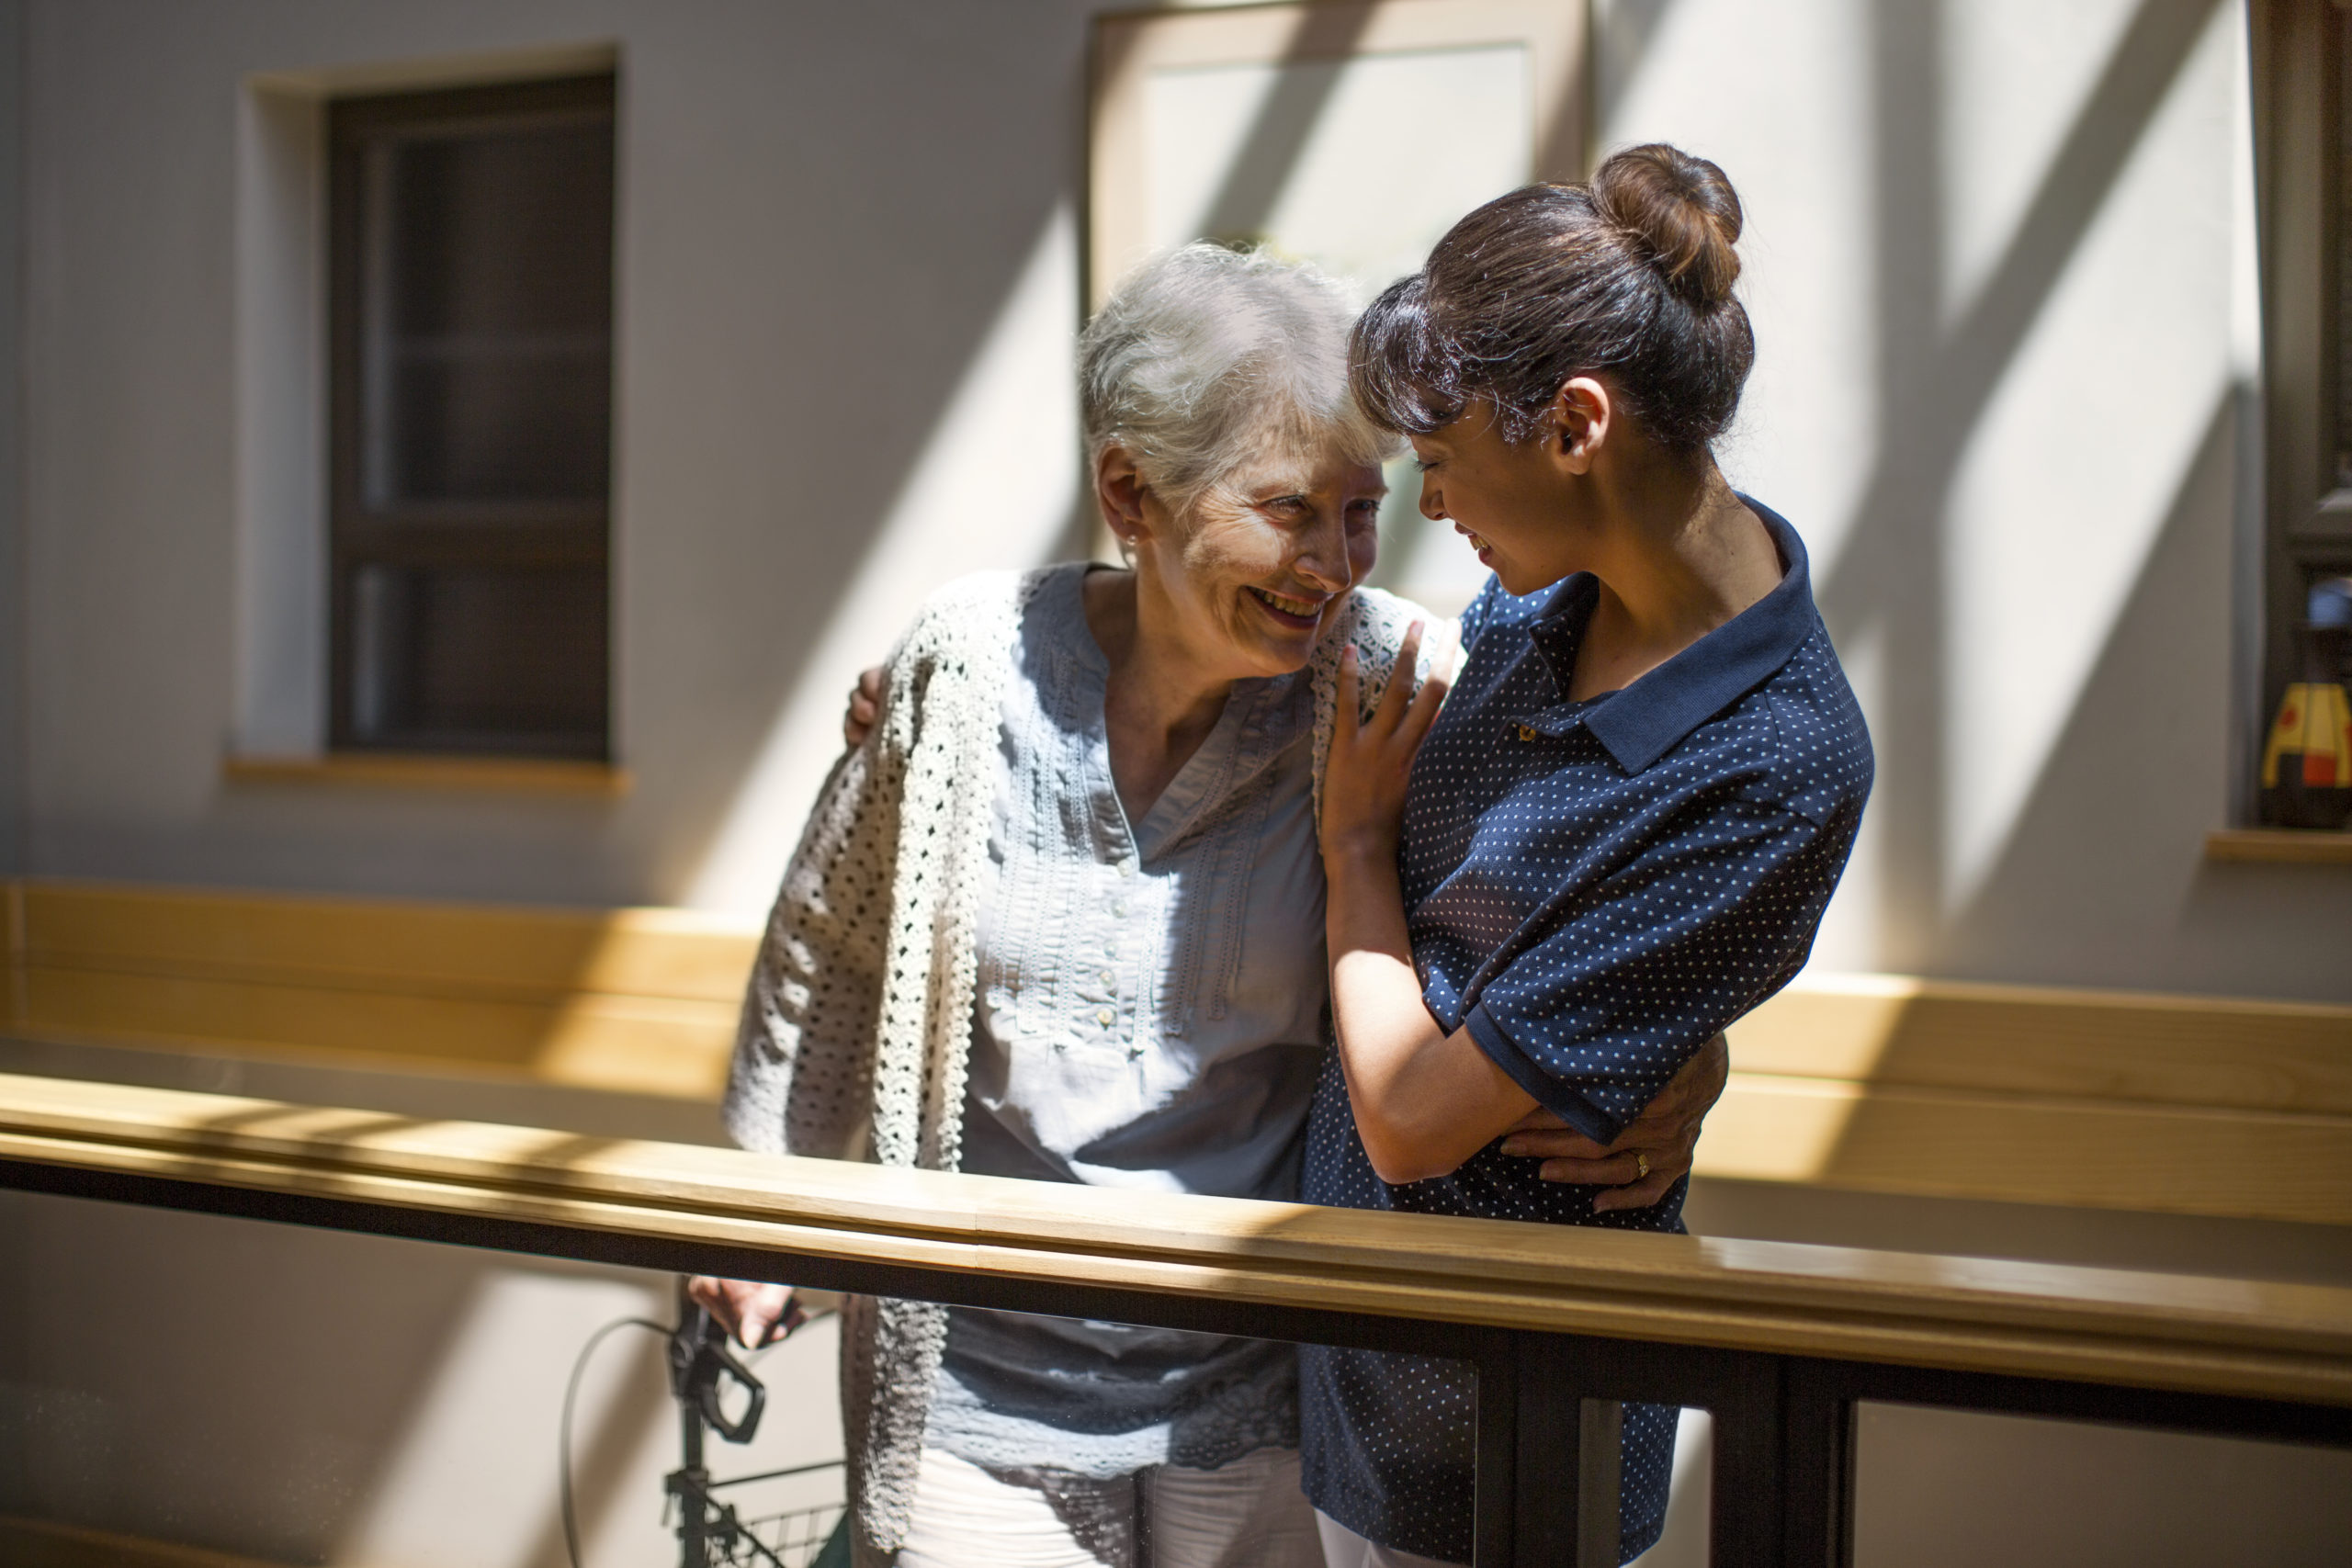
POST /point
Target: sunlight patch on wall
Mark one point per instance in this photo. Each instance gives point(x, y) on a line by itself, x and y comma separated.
point(1719, 78)
point(2012, 76)
point(994, 488)
point(1404, 145)
point(2066, 481)
point(1806, 1061)
point(1778, 1129)
point(453, 1495)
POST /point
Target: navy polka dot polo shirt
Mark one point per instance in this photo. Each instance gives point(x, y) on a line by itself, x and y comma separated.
point(1594, 889)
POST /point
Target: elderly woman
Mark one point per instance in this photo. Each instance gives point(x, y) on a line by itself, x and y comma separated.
point(1058, 915)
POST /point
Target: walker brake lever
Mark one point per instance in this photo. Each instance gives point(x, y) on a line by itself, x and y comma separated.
point(699, 1361)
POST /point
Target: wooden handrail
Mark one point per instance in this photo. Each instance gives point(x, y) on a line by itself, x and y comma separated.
point(2213, 1106)
point(2192, 1334)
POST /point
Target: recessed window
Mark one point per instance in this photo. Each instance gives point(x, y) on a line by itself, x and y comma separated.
point(471, 344)
point(2338, 174)
point(2304, 143)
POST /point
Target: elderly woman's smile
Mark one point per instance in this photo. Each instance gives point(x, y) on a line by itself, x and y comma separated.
point(1254, 567)
point(1304, 612)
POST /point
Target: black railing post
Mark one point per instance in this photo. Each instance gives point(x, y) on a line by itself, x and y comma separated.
point(1565, 1455)
point(1599, 1476)
point(1750, 1478)
point(1551, 1455)
point(1495, 1526)
point(1818, 1440)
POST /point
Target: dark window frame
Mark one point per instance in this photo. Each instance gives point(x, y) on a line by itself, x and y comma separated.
point(543, 535)
point(2302, 166)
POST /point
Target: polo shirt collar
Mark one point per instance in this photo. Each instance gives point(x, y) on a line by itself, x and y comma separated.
point(1645, 720)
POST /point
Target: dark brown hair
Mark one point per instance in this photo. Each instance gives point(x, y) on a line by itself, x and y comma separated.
point(1629, 277)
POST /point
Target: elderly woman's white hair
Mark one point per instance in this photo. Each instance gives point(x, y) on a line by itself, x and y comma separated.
point(1205, 358)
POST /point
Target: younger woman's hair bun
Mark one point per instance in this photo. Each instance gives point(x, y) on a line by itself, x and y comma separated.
point(1629, 277)
point(1679, 209)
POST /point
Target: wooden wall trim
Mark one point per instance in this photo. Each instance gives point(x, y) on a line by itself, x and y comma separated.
point(469, 950)
point(633, 1000)
point(2148, 1330)
point(2194, 1105)
point(2092, 1154)
point(2202, 1052)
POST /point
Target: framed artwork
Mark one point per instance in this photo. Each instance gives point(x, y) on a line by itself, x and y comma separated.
point(1350, 133)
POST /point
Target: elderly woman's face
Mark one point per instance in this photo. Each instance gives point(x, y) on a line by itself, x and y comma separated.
point(1258, 564)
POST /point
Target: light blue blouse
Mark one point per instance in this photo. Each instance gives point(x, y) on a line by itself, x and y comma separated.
point(1150, 1016)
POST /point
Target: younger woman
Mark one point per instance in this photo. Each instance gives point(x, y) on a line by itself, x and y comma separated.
point(1622, 831)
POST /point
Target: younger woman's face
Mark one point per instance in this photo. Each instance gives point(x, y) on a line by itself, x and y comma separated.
point(1504, 498)
point(1257, 565)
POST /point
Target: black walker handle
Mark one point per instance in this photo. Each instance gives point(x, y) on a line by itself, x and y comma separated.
point(699, 1361)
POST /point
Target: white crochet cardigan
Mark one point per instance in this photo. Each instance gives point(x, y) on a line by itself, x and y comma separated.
point(859, 1017)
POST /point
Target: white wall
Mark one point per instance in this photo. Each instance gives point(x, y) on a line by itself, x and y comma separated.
point(1998, 263)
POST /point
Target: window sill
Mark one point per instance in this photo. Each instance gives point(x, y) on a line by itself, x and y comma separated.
point(2280, 846)
point(497, 776)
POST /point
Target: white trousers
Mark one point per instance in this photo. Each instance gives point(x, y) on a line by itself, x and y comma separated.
point(1249, 1513)
point(1342, 1548)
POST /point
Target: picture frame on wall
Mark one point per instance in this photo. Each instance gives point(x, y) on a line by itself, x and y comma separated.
point(1350, 133)
point(1229, 121)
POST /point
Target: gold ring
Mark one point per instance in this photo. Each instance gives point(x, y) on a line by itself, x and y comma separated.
point(1642, 1165)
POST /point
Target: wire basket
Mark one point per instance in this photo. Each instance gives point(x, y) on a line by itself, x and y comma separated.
point(792, 1535)
point(797, 1534)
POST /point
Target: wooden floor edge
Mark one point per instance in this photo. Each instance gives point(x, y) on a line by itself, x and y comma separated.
point(394, 770)
point(47, 1543)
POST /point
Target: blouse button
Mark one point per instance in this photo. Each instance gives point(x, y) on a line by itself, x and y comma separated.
point(1527, 732)
point(1103, 1016)
point(1110, 977)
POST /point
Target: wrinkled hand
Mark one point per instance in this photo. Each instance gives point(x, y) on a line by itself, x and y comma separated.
point(1666, 1134)
point(1364, 777)
point(865, 707)
point(756, 1313)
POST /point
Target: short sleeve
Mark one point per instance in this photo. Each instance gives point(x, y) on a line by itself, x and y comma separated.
point(1606, 994)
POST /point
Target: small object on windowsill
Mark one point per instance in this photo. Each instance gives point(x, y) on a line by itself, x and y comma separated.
point(2307, 764)
point(395, 769)
point(2280, 846)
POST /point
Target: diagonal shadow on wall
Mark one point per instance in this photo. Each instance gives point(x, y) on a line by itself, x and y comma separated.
point(2120, 866)
point(1935, 385)
point(1285, 120)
